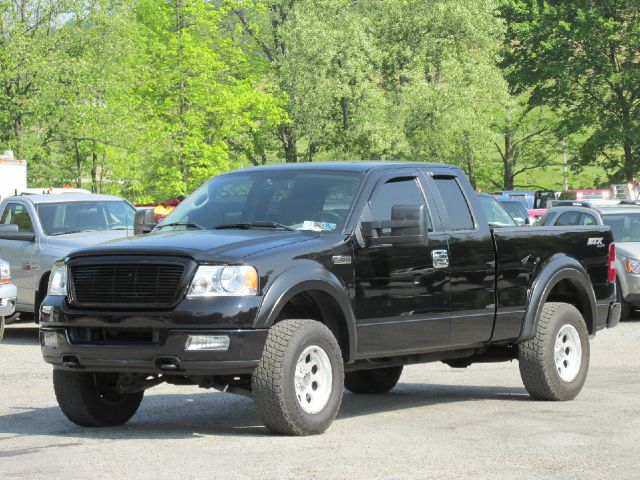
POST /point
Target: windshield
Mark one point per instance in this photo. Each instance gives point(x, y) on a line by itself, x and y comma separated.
point(85, 216)
point(516, 210)
point(625, 227)
point(496, 215)
point(292, 199)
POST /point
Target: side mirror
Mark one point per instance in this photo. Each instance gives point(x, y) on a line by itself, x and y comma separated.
point(144, 221)
point(408, 226)
point(11, 232)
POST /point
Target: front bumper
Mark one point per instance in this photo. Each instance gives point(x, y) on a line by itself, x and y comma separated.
point(168, 357)
point(8, 294)
point(152, 341)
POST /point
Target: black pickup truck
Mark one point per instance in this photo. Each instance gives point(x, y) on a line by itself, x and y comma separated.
point(287, 283)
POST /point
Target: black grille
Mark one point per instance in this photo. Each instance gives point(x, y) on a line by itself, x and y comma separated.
point(126, 284)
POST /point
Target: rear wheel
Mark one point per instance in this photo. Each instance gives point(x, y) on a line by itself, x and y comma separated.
point(377, 380)
point(625, 310)
point(90, 399)
point(554, 364)
point(297, 386)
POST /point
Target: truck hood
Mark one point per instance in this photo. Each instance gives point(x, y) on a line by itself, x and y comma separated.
point(211, 246)
point(628, 249)
point(74, 241)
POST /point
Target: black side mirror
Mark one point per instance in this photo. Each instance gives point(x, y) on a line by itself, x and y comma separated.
point(407, 226)
point(144, 221)
point(11, 232)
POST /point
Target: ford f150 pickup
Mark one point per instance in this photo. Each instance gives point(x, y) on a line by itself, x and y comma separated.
point(287, 283)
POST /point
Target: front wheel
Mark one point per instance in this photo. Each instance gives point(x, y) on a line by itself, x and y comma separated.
point(90, 399)
point(297, 386)
point(554, 364)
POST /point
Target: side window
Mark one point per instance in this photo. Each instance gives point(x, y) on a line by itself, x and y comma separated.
point(397, 191)
point(568, 218)
point(17, 214)
point(588, 219)
point(457, 208)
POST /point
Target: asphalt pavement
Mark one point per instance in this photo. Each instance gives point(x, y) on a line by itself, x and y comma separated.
point(439, 422)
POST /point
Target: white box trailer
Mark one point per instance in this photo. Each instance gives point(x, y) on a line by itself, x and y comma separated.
point(13, 175)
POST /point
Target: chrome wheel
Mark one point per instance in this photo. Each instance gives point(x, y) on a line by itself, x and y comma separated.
point(313, 379)
point(568, 353)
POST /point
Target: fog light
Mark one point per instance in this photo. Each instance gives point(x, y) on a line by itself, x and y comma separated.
point(207, 342)
point(49, 339)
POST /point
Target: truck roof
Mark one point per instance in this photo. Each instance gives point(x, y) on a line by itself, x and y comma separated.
point(359, 167)
point(66, 198)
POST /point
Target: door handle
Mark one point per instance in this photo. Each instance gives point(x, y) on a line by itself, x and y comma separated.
point(440, 258)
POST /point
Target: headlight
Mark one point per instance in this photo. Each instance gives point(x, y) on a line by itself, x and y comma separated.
point(214, 281)
point(632, 265)
point(58, 280)
point(5, 273)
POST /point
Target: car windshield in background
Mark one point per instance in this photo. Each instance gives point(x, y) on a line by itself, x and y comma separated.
point(515, 209)
point(625, 227)
point(298, 200)
point(496, 215)
point(85, 216)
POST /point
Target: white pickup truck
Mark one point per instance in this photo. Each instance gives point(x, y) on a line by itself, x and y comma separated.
point(8, 294)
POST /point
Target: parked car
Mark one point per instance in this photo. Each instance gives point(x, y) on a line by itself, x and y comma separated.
point(494, 212)
point(517, 211)
point(8, 293)
point(624, 221)
point(289, 282)
point(35, 230)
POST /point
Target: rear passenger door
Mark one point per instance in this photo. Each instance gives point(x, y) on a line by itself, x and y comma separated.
point(471, 260)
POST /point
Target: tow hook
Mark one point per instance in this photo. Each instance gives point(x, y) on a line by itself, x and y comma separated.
point(168, 363)
point(70, 361)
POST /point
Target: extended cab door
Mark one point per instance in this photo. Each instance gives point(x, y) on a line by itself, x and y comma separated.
point(402, 302)
point(471, 258)
point(20, 253)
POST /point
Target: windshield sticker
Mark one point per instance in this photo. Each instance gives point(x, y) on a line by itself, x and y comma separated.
point(317, 226)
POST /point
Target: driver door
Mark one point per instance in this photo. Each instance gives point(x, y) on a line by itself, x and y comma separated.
point(402, 301)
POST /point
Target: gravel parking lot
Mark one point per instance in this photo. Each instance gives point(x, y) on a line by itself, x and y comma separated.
point(437, 423)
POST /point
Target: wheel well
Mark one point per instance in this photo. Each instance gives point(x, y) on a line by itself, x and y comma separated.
point(567, 291)
point(320, 306)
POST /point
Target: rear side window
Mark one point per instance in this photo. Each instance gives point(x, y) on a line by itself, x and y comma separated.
point(568, 218)
point(588, 219)
point(455, 203)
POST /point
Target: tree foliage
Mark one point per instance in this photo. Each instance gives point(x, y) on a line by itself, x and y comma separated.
point(583, 59)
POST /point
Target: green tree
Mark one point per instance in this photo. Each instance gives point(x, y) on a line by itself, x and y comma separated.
point(583, 59)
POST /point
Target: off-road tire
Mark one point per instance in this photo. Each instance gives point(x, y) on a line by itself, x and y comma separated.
point(625, 308)
point(536, 356)
point(377, 380)
point(273, 381)
point(86, 400)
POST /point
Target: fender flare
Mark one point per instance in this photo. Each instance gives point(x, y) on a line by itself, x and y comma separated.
point(301, 278)
point(559, 267)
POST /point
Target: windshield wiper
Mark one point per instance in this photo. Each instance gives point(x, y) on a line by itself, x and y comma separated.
point(69, 232)
point(248, 225)
point(182, 224)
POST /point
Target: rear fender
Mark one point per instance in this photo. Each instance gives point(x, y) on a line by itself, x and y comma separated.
point(559, 267)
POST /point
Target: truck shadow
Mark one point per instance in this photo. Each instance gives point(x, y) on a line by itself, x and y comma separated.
point(19, 334)
point(180, 416)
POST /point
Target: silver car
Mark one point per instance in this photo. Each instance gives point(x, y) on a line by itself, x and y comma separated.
point(624, 221)
point(35, 230)
point(8, 294)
